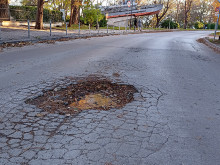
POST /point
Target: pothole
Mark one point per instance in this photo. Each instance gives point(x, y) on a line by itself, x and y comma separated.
point(96, 94)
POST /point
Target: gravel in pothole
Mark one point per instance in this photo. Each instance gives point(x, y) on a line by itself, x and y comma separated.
point(94, 94)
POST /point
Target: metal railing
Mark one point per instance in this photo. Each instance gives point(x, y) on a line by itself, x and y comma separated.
point(26, 31)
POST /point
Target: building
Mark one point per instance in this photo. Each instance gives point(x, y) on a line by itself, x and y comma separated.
point(121, 15)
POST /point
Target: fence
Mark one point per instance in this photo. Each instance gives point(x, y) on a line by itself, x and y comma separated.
point(21, 26)
point(24, 30)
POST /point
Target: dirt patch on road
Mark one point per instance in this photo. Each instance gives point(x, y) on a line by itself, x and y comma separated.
point(84, 95)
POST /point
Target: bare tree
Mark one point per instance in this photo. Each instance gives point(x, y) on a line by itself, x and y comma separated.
point(160, 16)
point(39, 18)
point(177, 10)
point(187, 8)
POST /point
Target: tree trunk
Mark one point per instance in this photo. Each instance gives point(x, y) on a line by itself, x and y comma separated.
point(185, 18)
point(177, 11)
point(39, 19)
point(187, 8)
point(158, 21)
point(71, 13)
point(74, 13)
point(160, 16)
point(4, 10)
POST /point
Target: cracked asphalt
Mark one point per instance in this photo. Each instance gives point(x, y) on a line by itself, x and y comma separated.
point(173, 120)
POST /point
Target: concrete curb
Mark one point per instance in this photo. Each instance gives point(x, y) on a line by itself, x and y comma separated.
point(75, 36)
point(211, 45)
point(46, 38)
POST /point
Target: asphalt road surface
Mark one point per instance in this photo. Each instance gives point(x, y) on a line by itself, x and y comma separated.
point(173, 120)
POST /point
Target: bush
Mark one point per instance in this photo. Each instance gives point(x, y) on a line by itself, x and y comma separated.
point(23, 13)
point(166, 23)
point(103, 22)
point(211, 26)
point(67, 18)
point(199, 25)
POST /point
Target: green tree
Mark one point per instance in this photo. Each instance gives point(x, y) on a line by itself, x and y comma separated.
point(58, 4)
point(91, 15)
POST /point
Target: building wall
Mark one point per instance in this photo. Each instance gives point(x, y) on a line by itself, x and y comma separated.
point(119, 21)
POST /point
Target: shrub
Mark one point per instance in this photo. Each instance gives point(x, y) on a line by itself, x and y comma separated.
point(199, 25)
point(91, 15)
point(103, 22)
point(166, 23)
point(211, 26)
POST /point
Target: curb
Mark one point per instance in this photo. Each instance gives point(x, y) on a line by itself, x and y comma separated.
point(76, 36)
point(209, 44)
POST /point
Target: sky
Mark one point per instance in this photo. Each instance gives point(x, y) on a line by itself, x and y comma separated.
point(14, 2)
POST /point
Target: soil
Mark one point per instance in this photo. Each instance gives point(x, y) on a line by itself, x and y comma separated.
point(19, 44)
point(96, 94)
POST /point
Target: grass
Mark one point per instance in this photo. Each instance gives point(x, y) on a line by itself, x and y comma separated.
point(182, 29)
point(216, 41)
point(86, 27)
point(75, 27)
point(217, 33)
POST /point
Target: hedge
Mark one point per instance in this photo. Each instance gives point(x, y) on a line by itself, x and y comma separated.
point(23, 13)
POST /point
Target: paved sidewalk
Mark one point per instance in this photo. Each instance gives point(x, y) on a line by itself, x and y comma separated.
point(16, 34)
point(21, 33)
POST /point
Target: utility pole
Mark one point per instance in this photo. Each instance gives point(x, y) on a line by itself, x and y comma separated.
point(79, 19)
point(131, 12)
point(216, 25)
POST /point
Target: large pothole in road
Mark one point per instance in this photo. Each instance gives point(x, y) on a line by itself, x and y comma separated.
point(93, 94)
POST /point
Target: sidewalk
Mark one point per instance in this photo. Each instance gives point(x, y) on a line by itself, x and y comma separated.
point(20, 34)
